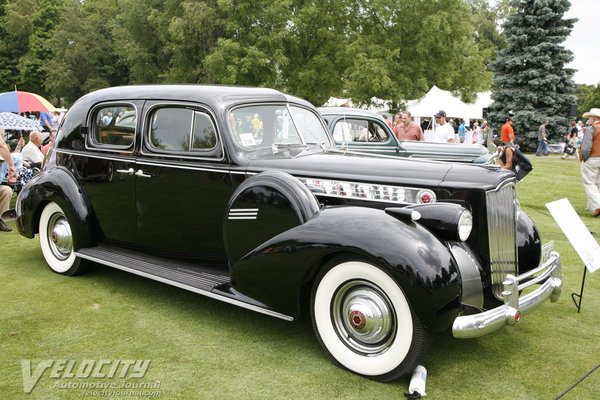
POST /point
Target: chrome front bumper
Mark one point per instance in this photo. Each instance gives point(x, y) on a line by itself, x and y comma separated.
point(548, 275)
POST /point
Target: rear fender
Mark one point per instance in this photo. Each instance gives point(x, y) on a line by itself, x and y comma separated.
point(58, 185)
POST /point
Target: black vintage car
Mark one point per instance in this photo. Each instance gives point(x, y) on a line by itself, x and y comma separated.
point(239, 194)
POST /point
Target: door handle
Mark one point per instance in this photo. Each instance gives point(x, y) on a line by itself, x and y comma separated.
point(142, 174)
point(126, 171)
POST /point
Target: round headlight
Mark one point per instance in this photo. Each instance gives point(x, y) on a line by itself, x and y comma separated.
point(465, 225)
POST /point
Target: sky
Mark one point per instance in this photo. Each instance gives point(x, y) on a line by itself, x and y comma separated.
point(583, 41)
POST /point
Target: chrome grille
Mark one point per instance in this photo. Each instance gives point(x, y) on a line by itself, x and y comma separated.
point(502, 231)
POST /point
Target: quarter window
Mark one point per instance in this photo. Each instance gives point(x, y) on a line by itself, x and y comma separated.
point(115, 125)
point(182, 129)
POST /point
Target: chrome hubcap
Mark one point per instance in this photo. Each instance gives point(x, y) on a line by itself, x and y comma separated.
point(363, 317)
point(60, 237)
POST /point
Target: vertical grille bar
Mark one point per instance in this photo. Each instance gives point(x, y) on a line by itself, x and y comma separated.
point(502, 231)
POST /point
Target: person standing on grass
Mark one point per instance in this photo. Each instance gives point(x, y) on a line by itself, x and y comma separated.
point(590, 157)
point(572, 141)
point(542, 140)
point(507, 133)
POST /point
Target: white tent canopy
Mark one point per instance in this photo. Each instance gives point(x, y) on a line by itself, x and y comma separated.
point(437, 99)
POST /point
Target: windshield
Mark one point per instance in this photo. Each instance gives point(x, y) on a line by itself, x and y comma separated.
point(266, 125)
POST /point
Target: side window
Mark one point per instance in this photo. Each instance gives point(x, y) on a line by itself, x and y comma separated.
point(205, 137)
point(358, 131)
point(182, 130)
point(378, 133)
point(114, 125)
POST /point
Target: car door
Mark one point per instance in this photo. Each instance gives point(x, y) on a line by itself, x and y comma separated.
point(105, 164)
point(183, 182)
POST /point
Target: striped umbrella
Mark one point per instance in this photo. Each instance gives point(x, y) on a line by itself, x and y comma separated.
point(12, 121)
point(24, 101)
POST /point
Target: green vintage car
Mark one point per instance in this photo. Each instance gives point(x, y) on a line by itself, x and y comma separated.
point(364, 131)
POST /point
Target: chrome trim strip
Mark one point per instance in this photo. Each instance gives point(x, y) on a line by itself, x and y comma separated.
point(127, 158)
point(189, 288)
point(141, 162)
point(178, 166)
point(411, 190)
point(509, 314)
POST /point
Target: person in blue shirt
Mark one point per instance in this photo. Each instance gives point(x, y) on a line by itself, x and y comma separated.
point(46, 121)
point(461, 131)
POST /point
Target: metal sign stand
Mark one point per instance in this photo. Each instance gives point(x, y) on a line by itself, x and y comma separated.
point(580, 237)
point(580, 295)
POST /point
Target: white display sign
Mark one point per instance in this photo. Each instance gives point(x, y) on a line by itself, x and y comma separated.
point(578, 234)
point(247, 139)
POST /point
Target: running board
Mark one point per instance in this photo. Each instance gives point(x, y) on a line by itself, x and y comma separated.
point(170, 272)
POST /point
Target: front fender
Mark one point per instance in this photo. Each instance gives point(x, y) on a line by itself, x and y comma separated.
point(56, 184)
point(273, 273)
point(529, 243)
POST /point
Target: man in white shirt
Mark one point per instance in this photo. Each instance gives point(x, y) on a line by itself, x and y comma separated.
point(31, 152)
point(443, 130)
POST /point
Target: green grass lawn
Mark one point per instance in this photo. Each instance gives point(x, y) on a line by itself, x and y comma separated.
point(204, 349)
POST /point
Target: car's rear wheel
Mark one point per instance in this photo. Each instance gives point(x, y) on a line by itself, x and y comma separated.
point(364, 322)
point(56, 241)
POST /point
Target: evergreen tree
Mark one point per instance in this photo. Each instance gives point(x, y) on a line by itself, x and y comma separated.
point(531, 81)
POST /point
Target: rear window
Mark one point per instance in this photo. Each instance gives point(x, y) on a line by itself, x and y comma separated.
point(114, 125)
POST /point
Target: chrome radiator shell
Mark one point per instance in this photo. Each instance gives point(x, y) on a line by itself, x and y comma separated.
point(502, 209)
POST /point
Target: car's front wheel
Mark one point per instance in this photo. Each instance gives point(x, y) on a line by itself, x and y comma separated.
point(364, 322)
point(56, 241)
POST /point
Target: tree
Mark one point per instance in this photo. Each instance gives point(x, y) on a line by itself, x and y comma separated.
point(531, 81)
point(404, 47)
point(587, 97)
point(33, 76)
point(15, 30)
point(84, 58)
point(248, 49)
point(135, 33)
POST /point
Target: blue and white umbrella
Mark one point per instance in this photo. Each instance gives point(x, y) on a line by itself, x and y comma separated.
point(12, 121)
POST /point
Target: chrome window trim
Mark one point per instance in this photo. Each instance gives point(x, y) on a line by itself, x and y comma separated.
point(194, 155)
point(91, 144)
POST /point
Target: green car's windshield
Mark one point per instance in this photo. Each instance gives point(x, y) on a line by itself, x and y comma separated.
point(266, 125)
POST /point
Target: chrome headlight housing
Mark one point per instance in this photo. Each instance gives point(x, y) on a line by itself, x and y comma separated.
point(465, 225)
point(449, 221)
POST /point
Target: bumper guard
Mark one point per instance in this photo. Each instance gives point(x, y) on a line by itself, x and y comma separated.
point(550, 279)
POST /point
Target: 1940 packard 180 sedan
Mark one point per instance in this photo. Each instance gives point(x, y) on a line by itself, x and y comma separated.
point(266, 214)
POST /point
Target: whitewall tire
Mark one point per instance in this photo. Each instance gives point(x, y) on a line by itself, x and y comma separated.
point(364, 322)
point(56, 241)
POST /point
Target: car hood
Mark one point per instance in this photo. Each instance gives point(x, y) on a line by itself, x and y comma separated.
point(360, 167)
